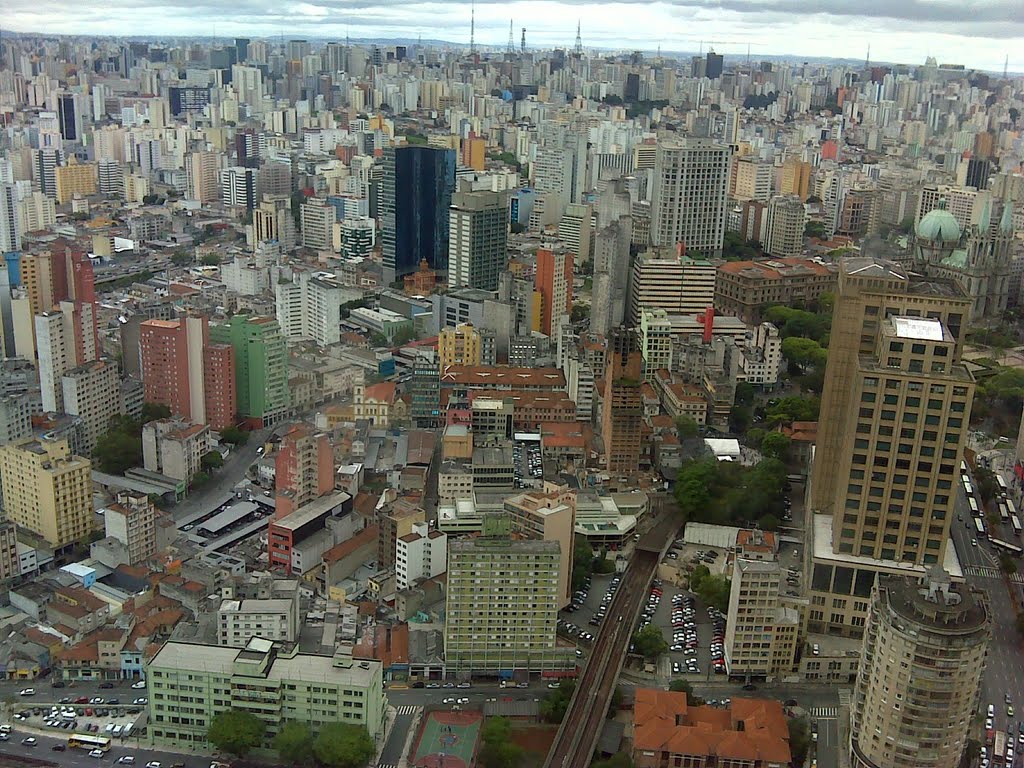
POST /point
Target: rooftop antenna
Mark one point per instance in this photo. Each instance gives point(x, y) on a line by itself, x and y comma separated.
point(522, 43)
point(472, 28)
point(1006, 63)
point(579, 40)
point(748, 57)
point(700, 51)
point(867, 59)
point(511, 40)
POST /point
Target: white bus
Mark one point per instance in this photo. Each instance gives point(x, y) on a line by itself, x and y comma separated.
point(973, 504)
point(1015, 524)
point(979, 526)
point(89, 741)
point(1011, 506)
point(1004, 513)
point(967, 485)
point(1001, 483)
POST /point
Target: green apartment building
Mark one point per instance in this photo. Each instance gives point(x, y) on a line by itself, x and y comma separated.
point(502, 604)
point(190, 683)
point(261, 366)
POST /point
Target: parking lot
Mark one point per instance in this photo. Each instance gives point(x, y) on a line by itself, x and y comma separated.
point(587, 618)
point(526, 456)
point(112, 716)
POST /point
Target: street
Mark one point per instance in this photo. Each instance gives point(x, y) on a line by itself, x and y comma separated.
point(80, 758)
point(1003, 674)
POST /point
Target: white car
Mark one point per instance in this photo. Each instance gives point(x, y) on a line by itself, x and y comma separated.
point(29, 741)
point(126, 760)
point(464, 701)
point(139, 685)
point(96, 753)
point(153, 764)
point(449, 700)
point(27, 692)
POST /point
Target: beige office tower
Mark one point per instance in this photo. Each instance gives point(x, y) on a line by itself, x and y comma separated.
point(920, 673)
point(894, 416)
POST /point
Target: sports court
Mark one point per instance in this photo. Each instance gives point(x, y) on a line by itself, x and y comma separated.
point(448, 740)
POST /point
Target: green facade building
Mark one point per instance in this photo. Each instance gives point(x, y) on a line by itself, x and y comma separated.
point(190, 683)
point(502, 603)
point(261, 366)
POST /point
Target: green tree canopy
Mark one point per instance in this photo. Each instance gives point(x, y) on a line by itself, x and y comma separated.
point(799, 322)
point(554, 705)
point(499, 751)
point(728, 493)
point(236, 731)
point(212, 460)
point(687, 427)
point(582, 562)
point(713, 590)
point(799, 739)
point(804, 353)
point(815, 229)
point(343, 745)
point(649, 642)
point(294, 743)
point(793, 408)
point(580, 312)
point(234, 436)
point(775, 445)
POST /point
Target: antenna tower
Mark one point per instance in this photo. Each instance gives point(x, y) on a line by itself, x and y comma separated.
point(867, 59)
point(511, 40)
point(1006, 64)
point(579, 40)
point(472, 28)
point(522, 43)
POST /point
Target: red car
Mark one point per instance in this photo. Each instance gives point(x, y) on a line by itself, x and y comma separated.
point(82, 700)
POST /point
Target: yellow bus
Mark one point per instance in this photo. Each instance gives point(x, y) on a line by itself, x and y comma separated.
point(88, 741)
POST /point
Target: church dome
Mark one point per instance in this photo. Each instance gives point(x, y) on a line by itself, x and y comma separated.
point(939, 225)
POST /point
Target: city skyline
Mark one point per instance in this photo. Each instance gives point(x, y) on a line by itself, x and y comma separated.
point(900, 32)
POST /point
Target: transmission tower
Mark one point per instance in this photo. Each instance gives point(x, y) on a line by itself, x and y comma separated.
point(522, 43)
point(511, 40)
point(579, 40)
point(472, 29)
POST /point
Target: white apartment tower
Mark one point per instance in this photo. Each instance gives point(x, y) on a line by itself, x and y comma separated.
point(691, 178)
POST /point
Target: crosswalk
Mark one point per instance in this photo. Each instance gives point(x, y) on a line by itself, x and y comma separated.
point(825, 713)
point(387, 765)
point(407, 709)
point(991, 572)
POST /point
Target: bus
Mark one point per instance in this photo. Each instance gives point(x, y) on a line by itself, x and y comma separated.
point(967, 485)
point(88, 741)
point(963, 467)
point(973, 504)
point(1001, 483)
point(979, 526)
point(1004, 513)
point(1015, 523)
point(1005, 546)
point(1011, 507)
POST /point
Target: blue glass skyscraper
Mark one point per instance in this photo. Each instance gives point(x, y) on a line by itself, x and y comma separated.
point(416, 193)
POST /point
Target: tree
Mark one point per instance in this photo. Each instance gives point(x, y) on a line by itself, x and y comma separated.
point(793, 408)
point(499, 751)
point(687, 428)
point(554, 705)
point(649, 642)
point(775, 445)
point(200, 479)
point(212, 460)
point(582, 562)
point(181, 258)
point(117, 451)
point(683, 686)
point(713, 590)
point(580, 312)
point(799, 739)
point(815, 229)
point(804, 353)
point(1007, 564)
point(210, 260)
point(768, 523)
point(744, 393)
point(294, 743)
point(343, 745)
point(236, 731)
point(234, 435)
point(154, 411)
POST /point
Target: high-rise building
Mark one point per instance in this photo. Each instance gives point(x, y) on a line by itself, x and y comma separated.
point(321, 689)
point(623, 405)
point(416, 193)
point(75, 178)
point(478, 239)
point(894, 417)
point(273, 221)
point(15, 417)
point(131, 520)
point(751, 179)
point(303, 469)
point(713, 65)
point(689, 203)
point(358, 236)
point(492, 627)
point(48, 490)
point(786, 220)
point(92, 392)
point(655, 341)
point(925, 643)
point(261, 366)
point(612, 267)
point(183, 370)
point(317, 218)
point(44, 169)
point(10, 233)
point(553, 282)
point(10, 563)
point(309, 307)
point(393, 522)
point(425, 389)
point(70, 114)
point(575, 228)
point(761, 630)
point(667, 279)
point(422, 554)
point(464, 345)
point(201, 168)
point(56, 350)
point(548, 514)
point(238, 187)
point(795, 178)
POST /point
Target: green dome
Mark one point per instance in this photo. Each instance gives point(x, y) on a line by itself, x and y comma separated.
point(938, 225)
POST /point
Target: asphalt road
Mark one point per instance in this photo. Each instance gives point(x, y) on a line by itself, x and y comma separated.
point(1004, 674)
point(827, 747)
point(77, 757)
point(223, 481)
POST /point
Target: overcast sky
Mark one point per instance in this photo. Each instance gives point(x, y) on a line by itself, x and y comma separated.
point(976, 33)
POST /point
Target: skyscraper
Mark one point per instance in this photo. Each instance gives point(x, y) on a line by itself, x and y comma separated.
point(623, 406)
point(713, 65)
point(553, 281)
point(478, 239)
point(691, 179)
point(416, 193)
point(261, 367)
point(920, 673)
point(304, 469)
point(184, 371)
point(786, 221)
point(10, 235)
